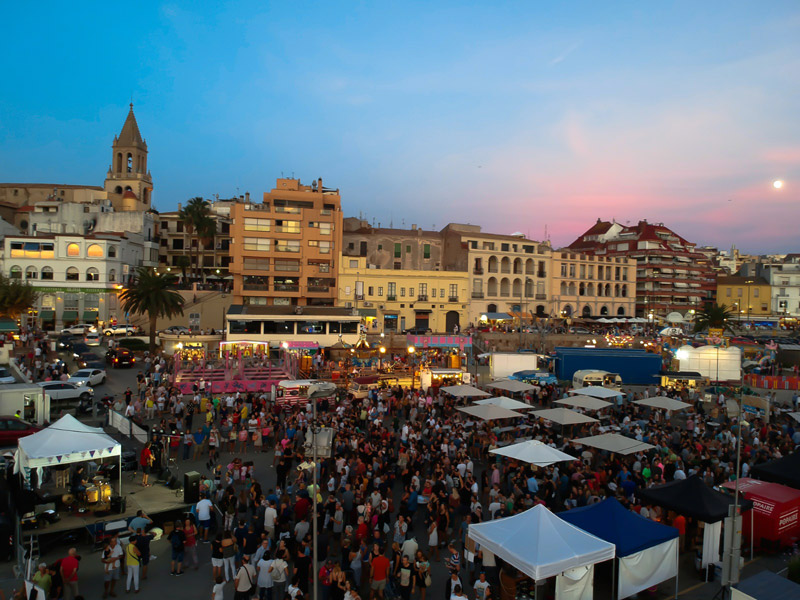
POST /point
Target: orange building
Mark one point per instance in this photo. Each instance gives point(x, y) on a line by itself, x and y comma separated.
point(283, 251)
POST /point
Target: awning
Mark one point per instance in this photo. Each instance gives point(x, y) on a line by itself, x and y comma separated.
point(495, 316)
point(516, 314)
point(47, 315)
point(367, 312)
point(69, 315)
point(90, 315)
point(7, 325)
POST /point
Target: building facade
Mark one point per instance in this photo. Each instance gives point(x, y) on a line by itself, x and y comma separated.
point(392, 300)
point(78, 277)
point(587, 286)
point(284, 251)
point(388, 248)
point(784, 280)
point(671, 275)
point(745, 297)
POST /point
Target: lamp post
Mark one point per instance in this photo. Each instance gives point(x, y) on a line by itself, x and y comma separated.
point(748, 283)
point(411, 351)
point(382, 351)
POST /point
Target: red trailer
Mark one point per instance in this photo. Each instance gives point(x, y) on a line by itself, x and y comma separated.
point(775, 514)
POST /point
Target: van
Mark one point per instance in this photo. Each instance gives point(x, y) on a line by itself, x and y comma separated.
point(360, 387)
point(295, 391)
point(587, 377)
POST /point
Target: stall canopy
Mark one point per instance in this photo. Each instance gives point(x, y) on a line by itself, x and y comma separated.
point(585, 402)
point(511, 385)
point(563, 416)
point(504, 402)
point(534, 452)
point(784, 470)
point(595, 391)
point(65, 441)
point(613, 442)
point(464, 391)
point(647, 551)
point(692, 498)
point(490, 413)
point(664, 403)
point(765, 585)
point(540, 544)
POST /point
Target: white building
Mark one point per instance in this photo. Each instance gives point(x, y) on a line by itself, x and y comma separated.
point(784, 279)
point(78, 277)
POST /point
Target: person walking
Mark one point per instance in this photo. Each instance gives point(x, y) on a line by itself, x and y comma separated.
point(228, 555)
point(177, 540)
point(190, 543)
point(244, 583)
point(132, 561)
point(279, 570)
point(264, 577)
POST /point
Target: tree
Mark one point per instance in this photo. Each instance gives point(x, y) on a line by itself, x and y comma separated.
point(195, 217)
point(184, 263)
point(16, 297)
point(713, 316)
point(150, 294)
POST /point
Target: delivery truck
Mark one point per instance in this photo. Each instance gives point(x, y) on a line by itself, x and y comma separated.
point(504, 364)
point(634, 367)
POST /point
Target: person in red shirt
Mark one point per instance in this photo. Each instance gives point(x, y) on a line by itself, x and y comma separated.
point(679, 523)
point(69, 574)
point(379, 570)
point(146, 461)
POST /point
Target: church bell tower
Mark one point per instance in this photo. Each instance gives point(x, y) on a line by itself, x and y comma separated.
point(128, 182)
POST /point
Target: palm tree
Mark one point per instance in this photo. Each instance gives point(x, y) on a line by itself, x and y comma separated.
point(194, 217)
point(713, 316)
point(183, 262)
point(206, 229)
point(151, 295)
point(16, 297)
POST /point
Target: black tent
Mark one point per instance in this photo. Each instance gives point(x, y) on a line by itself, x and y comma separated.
point(768, 586)
point(784, 470)
point(692, 498)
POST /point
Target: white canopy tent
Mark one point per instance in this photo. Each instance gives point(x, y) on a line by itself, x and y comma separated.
point(534, 452)
point(541, 545)
point(504, 402)
point(510, 385)
point(664, 402)
point(595, 391)
point(464, 391)
point(65, 441)
point(613, 442)
point(490, 413)
point(585, 402)
point(563, 416)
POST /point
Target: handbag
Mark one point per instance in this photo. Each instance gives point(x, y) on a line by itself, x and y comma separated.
point(428, 580)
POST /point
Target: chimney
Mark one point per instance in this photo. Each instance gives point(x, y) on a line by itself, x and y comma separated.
point(179, 207)
point(247, 197)
point(413, 227)
point(319, 185)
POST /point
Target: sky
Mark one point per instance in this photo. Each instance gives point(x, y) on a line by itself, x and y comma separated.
point(533, 117)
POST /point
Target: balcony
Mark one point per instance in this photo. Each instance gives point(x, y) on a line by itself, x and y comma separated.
point(286, 287)
point(541, 297)
point(477, 295)
point(359, 296)
point(255, 287)
point(422, 298)
point(392, 298)
point(543, 274)
point(477, 271)
point(505, 270)
point(319, 289)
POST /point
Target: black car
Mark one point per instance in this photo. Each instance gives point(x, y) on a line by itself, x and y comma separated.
point(417, 330)
point(79, 348)
point(85, 359)
point(120, 357)
point(65, 342)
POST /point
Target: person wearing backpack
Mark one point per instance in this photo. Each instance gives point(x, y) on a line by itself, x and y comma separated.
point(245, 580)
point(178, 541)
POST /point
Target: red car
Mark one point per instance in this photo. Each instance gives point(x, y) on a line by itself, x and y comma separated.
point(13, 428)
point(742, 341)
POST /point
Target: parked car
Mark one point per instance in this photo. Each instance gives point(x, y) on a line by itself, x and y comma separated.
point(63, 390)
point(88, 377)
point(742, 341)
point(64, 342)
point(79, 348)
point(79, 329)
point(121, 330)
point(85, 359)
point(580, 330)
point(120, 357)
point(417, 330)
point(672, 332)
point(175, 330)
point(13, 428)
point(92, 338)
point(6, 376)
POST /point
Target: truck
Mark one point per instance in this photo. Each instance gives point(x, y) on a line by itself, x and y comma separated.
point(30, 400)
point(504, 364)
point(635, 367)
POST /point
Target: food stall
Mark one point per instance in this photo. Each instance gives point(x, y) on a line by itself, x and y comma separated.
point(775, 512)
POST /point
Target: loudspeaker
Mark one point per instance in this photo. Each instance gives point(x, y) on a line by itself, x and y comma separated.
point(118, 504)
point(172, 482)
point(191, 487)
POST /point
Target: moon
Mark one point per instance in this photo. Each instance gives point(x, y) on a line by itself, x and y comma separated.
point(777, 184)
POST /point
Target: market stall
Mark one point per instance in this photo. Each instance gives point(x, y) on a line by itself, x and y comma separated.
point(647, 552)
point(541, 545)
point(613, 442)
point(535, 453)
point(510, 385)
point(464, 391)
point(504, 402)
point(775, 512)
point(784, 470)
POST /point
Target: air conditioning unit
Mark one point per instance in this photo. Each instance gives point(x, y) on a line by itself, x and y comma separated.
point(367, 304)
point(381, 306)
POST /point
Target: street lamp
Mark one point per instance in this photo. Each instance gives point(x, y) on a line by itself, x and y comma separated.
point(380, 357)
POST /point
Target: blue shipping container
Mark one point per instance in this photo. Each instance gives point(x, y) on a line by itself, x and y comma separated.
point(636, 367)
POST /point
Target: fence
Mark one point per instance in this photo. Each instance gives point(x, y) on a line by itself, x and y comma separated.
point(127, 427)
point(773, 382)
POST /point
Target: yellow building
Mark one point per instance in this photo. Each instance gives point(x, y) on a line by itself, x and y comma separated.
point(745, 297)
point(397, 300)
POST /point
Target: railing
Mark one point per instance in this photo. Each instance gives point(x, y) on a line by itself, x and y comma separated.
point(391, 298)
point(477, 295)
point(453, 299)
point(422, 297)
point(541, 296)
point(282, 287)
point(319, 289)
point(359, 296)
point(543, 274)
point(491, 270)
point(505, 269)
point(261, 287)
point(477, 271)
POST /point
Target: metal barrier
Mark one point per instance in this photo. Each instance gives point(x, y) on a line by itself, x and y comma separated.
point(127, 427)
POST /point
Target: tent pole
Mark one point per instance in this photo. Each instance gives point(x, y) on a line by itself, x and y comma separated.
point(677, 566)
point(613, 578)
point(120, 473)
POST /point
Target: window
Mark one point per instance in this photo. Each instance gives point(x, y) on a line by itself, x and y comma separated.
point(73, 250)
point(324, 247)
point(112, 252)
point(755, 293)
point(325, 228)
point(177, 244)
point(251, 224)
point(47, 273)
point(380, 291)
point(353, 264)
point(423, 291)
point(257, 244)
point(728, 292)
point(426, 251)
point(282, 226)
point(32, 250)
point(250, 263)
point(433, 293)
point(397, 250)
point(473, 244)
point(380, 247)
point(112, 275)
point(370, 291)
point(563, 269)
point(92, 274)
point(94, 251)
point(31, 273)
point(572, 270)
point(739, 292)
point(402, 292)
point(410, 291)
point(72, 274)
point(287, 264)
point(441, 292)
point(15, 272)
point(504, 247)
point(71, 299)
point(245, 326)
point(392, 290)
point(310, 327)
point(408, 249)
point(287, 245)
point(454, 292)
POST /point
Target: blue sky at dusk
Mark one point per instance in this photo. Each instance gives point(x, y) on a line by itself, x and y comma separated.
point(515, 115)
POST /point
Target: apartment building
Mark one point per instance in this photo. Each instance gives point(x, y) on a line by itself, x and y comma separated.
point(783, 276)
point(402, 299)
point(745, 297)
point(283, 251)
point(587, 286)
point(671, 275)
point(389, 248)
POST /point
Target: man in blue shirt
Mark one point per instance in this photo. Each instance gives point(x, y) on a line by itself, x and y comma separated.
point(140, 521)
point(533, 485)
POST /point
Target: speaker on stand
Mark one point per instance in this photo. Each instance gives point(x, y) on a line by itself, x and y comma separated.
point(191, 487)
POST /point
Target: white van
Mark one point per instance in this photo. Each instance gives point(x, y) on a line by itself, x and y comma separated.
point(587, 377)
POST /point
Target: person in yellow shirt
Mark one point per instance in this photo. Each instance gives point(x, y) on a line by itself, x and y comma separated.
point(244, 412)
point(132, 562)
